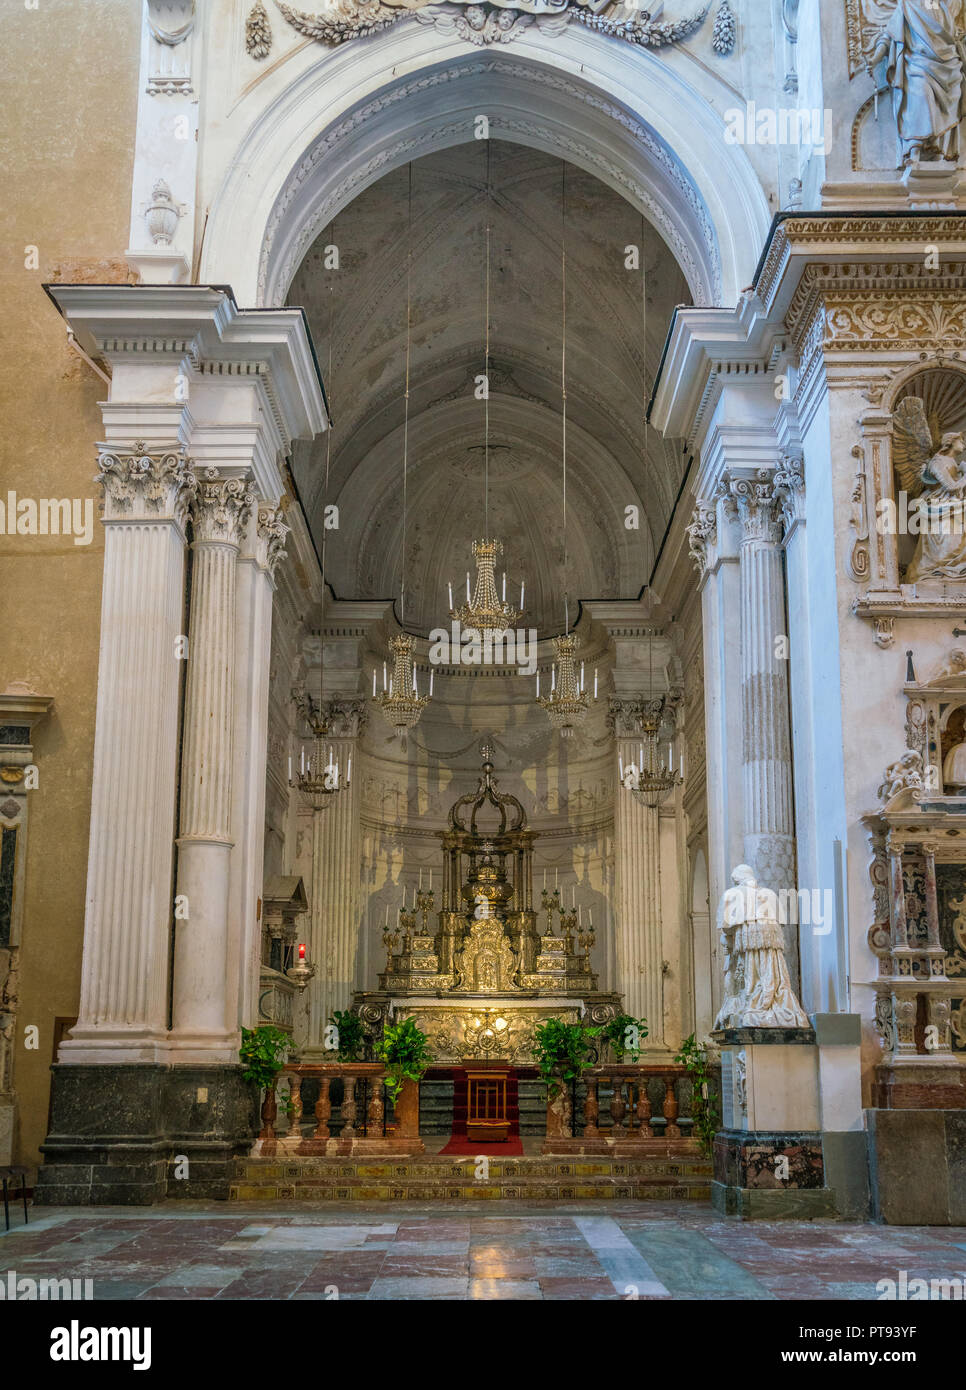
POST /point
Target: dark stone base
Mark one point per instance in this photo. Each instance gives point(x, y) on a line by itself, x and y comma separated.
point(759, 1204)
point(918, 1087)
point(133, 1135)
point(917, 1164)
point(764, 1037)
point(747, 1182)
point(847, 1172)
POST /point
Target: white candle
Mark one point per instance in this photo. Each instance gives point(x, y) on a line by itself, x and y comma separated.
point(595, 682)
point(581, 678)
point(420, 880)
point(503, 595)
point(553, 679)
point(580, 915)
point(415, 684)
point(620, 765)
point(302, 764)
point(348, 771)
point(538, 685)
point(642, 755)
point(522, 588)
point(450, 588)
point(555, 878)
point(290, 769)
point(430, 880)
point(590, 917)
point(544, 880)
point(431, 674)
point(682, 765)
point(467, 586)
point(383, 675)
point(573, 896)
point(387, 914)
point(373, 682)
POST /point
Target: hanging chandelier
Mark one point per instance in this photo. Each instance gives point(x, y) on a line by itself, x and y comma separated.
point(654, 779)
point(399, 698)
point(485, 610)
point(319, 776)
point(568, 701)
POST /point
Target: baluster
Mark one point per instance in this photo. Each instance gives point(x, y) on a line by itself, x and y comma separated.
point(591, 1110)
point(323, 1110)
point(670, 1110)
point(295, 1101)
point(349, 1108)
point(269, 1114)
point(645, 1129)
point(617, 1108)
point(375, 1109)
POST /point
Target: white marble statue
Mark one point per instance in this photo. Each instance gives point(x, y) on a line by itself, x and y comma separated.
point(758, 988)
point(924, 53)
point(936, 478)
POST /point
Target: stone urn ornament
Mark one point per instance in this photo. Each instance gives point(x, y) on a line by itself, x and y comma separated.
point(162, 214)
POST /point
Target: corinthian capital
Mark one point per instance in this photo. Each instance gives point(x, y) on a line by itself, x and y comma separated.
point(702, 535)
point(790, 489)
point(221, 509)
point(752, 494)
point(145, 483)
point(271, 537)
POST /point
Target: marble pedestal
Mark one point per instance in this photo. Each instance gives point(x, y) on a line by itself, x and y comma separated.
point(768, 1157)
point(120, 1134)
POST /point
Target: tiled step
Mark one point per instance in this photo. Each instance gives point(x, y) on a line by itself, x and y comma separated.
point(437, 1178)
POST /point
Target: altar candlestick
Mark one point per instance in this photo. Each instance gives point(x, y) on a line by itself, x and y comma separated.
point(590, 917)
point(420, 880)
point(573, 896)
point(580, 916)
point(544, 880)
point(555, 878)
point(387, 914)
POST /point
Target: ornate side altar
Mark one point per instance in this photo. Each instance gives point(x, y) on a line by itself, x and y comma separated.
point(486, 976)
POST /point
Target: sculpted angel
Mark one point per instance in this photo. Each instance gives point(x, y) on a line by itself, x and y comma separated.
point(924, 52)
point(937, 478)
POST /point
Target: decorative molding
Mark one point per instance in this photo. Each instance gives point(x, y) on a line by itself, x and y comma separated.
point(789, 488)
point(753, 495)
point(162, 482)
point(702, 533)
point(170, 24)
point(221, 509)
point(404, 150)
point(258, 32)
point(484, 23)
point(271, 532)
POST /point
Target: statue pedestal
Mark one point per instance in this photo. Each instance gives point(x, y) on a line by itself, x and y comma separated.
point(768, 1158)
point(934, 184)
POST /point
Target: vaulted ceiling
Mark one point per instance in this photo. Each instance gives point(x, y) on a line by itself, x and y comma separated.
point(617, 319)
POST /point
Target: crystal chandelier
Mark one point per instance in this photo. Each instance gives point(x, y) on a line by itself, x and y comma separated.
point(485, 611)
point(319, 776)
point(654, 779)
point(400, 699)
point(568, 701)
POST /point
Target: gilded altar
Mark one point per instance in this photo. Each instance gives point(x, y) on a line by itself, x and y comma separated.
point(482, 976)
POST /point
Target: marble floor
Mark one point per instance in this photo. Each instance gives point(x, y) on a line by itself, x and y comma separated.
point(590, 1250)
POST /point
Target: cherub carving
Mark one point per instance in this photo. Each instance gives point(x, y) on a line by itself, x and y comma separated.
point(934, 476)
point(905, 774)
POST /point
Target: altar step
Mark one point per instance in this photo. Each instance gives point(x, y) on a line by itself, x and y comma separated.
point(681, 1176)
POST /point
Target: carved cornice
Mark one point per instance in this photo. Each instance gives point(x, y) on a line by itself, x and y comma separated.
point(222, 507)
point(143, 483)
point(345, 718)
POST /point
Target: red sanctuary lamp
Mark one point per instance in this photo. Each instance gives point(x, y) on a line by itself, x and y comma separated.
point(302, 971)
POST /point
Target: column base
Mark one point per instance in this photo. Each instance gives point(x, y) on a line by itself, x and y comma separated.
point(917, 1163)
point(131, 1135)
point(747, 1181)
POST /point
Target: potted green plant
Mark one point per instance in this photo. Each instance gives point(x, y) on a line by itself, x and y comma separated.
point(263, 1054)
point(625, 1036)
point(704, 1105)
point(404, 1050)
point(350, 1035)
point(562, 1051)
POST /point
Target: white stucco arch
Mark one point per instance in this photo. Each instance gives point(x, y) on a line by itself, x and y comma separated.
point(315, 141)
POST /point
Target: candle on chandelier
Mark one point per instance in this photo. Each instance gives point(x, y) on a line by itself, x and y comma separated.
point(420, 880)
point(290, 769)
point(348, 771)
point(523, 586)
point(545, 880)
point(590, 917)
point(467, 586)
point(387, 914)
point(383, 675)
point(595, 682)
point(430, 880)
point(415, 686)
point(620, 766)
point(573, 896)
point(431, 674)
point(580, 915)
point(581, 678)
point(553, 680)
point(682, 767)
point(538, 685)
point(504, 587)
point(302, 761)
point(450, 588)
point(555, 878)
point(373, 682)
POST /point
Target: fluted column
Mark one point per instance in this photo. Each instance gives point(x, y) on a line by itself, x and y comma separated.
point(335, 905)
point(202, 984)
point(260, 554)
point(637, 854)
point(123, 1000)
point(766, 742)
